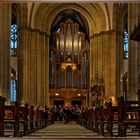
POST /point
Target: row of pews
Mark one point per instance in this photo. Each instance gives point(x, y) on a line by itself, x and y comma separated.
point(20, 120)
point(113, 121)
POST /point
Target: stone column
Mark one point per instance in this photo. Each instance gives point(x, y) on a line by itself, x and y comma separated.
point(119, 59)
point(47, 97)
point(107, 64)
point(39, 65)
point(132, 53)
point(92, 66)
point(113, 63)
point(2, 114)
point(5, 22)
point(33, 67)
point(23, 65)
point(103, 57)
point(100, 56)
point(92, 58)
point(103, 54)
point(96, 53)
point(43, 84)
point(138, 47)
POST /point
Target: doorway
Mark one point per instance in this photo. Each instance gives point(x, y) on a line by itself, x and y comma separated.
point(77, 102)
point(58, 102)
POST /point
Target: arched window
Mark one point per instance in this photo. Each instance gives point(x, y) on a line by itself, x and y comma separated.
point(13, 39)
point(125, 56)
point(13, 90)
point(125, 47)
point(13, 53)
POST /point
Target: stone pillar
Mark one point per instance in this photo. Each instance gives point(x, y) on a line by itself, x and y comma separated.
point(100, 46)
point(119, 59)
point(107, 77)
point(138, 47)
point(101, 43)
point(91, 70)
point(113, 62)
point(92, 63)
point(95, 53)
point(5, 22)
point(43, 70)
point(132, 53)
point(33, 67)
point(38, 73)
point(23, 65)
point(43, 84)
point(2, 114)
point(47, 97)
point(92, 58)
point(104, 61)
point(103, 54)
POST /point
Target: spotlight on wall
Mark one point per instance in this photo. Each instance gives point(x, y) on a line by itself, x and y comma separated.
point(56, 94)
point(79, 94)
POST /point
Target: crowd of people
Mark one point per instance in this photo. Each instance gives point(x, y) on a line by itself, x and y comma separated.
point(65, 113)
point(70, 112)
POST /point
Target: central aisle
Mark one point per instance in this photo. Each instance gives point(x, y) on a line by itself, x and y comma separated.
point(61, 130)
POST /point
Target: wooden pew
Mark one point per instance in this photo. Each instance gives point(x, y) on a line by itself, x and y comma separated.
point(2, 114)
point(112, 119)
point(24, 120)
point(16, 120)
point(96, 120)
point(120, 116)
point(42, 117)
point(90, 119)
point(93, 119)
point(103, 121)
point(36, 118)
point(11, 119)
point(31, 118)
point(46, 116)
point(128, 116)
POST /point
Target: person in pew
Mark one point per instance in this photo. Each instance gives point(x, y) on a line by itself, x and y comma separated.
point(55, 113)
point(105, 105)
point(110, 102)
point(66, 114)
point(61, 113)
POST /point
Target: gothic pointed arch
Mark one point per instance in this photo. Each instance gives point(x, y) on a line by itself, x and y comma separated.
point(45, 15)
point(120, 12)
point(20, 13)
point(120, 25)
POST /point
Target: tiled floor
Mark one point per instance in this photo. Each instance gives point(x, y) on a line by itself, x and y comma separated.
point(71, 130)
point(61, 130)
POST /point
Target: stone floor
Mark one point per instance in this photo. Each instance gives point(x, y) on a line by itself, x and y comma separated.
point(69, 131)
point(61, 130)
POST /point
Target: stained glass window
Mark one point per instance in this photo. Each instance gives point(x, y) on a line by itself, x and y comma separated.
point(125, 48)
point(13, 90)
point(13, 39)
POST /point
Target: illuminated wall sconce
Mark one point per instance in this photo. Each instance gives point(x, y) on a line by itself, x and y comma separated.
point(56, 94)
point(79, 94)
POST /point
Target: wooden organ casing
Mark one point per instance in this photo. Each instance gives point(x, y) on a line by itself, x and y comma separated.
point(69, 62)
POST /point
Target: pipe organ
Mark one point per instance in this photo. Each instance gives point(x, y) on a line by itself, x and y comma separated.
point(69, 62)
